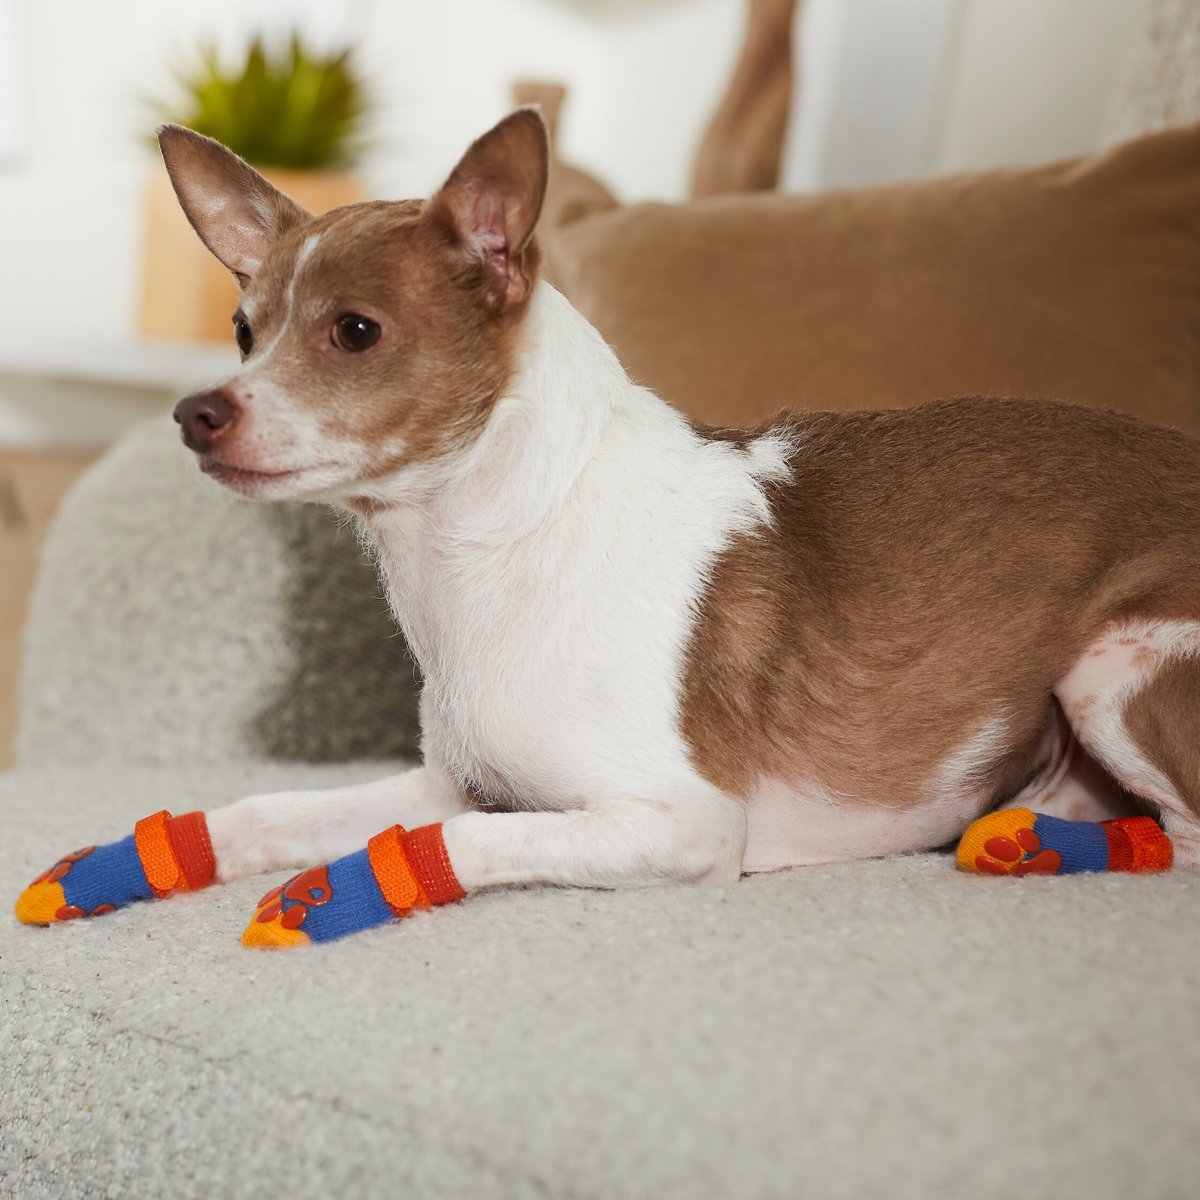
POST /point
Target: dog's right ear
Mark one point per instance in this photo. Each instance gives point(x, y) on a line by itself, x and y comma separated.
point(236, 212)
point(491, 203)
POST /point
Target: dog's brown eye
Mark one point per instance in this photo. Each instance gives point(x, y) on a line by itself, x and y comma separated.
point(355, 333)
point(241, 331)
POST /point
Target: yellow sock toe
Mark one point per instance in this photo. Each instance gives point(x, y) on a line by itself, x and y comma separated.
point(272, 935)
point(40, 904)
point(1006, 822)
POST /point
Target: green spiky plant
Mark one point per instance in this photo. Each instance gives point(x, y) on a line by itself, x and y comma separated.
point(287, 106)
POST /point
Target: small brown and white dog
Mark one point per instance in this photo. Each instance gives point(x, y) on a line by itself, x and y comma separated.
point(653, 651)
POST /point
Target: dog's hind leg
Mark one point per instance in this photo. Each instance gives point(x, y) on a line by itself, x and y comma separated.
point(1070, 784)
point(1133, 701)
point(1162, 724)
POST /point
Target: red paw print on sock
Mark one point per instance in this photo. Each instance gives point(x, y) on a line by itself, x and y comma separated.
point(58, 872)
point(64, 864)
point(310, 888)
point(1021, 854)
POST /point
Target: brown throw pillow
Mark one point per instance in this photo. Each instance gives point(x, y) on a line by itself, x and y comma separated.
point(1079, 280)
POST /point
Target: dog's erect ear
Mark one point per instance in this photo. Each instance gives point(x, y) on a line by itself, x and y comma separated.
point(492, 200)
point(236, 212)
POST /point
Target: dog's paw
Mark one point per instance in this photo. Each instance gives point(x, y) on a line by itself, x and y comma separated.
point(397, 872)
point(1006, 843)
point(163, 855)
point(44, 901)
point(281, 914)
point(1021, 854)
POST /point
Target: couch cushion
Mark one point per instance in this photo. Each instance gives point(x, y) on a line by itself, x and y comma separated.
point(174, 622)
point(1079, 280)
point(885, 1029)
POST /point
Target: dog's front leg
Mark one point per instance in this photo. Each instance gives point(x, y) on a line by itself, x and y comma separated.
point(167, 854)
point(696, 838)
point(296, 829)
point(612, 843)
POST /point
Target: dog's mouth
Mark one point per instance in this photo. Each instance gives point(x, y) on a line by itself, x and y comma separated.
point(243, 479)
point(228, 473)
point(252, 481)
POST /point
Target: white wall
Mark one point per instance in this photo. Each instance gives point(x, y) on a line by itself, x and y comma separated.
point(1018, 80)
point(1032, 79)
point(893, 89)
point(642, 85)
point(11, 83)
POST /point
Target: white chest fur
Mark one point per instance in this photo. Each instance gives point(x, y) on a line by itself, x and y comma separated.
point(547, 577)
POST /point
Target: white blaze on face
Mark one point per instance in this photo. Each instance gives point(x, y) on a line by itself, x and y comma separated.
point(276, 433)
point(306, 250)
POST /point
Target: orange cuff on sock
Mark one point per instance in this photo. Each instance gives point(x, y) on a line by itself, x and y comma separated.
point(393, 872)
point(175, 852)
point(193, 850)
point(413, 869)
point(426, 852)
point(1139, 845)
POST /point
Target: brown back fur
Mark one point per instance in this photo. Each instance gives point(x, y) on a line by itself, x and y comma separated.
point(932, 569)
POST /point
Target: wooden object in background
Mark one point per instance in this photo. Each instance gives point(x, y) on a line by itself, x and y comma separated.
point(185, 292)
point(742, 147)
point(571, 194)
point(32, 484)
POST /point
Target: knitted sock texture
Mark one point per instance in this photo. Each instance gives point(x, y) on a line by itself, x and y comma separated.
point(1019, 842)
point(163, 855)
point(397, 872)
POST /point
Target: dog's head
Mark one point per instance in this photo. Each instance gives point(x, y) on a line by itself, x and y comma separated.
point(374, 337)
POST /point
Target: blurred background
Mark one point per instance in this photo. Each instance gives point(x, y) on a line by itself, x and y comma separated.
point(105, 312)
point(885, 90)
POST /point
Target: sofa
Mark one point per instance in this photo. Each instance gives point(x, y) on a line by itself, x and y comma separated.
point(887, 1028)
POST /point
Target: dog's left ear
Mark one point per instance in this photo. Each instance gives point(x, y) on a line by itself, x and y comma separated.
point(236, 212)
point(492, 200)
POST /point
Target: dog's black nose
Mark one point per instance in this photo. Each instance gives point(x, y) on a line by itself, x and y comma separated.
point(202, 416)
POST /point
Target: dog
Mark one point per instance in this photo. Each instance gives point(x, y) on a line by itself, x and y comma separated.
point(653, 651)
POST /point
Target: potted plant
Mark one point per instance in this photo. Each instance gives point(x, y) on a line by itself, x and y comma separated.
point(297, 115)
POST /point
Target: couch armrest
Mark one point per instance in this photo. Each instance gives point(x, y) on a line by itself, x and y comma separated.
point(173, 622)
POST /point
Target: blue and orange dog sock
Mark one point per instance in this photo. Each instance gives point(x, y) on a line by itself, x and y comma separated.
point(1015, 841)
point(396, 873)
point(164, 854)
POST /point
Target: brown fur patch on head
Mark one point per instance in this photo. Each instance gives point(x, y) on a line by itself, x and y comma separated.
point(444, 354)
point(436, 290)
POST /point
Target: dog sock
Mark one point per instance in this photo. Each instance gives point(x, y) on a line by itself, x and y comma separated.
point(397, 872)
point(1015, 841)
point(164, 854)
